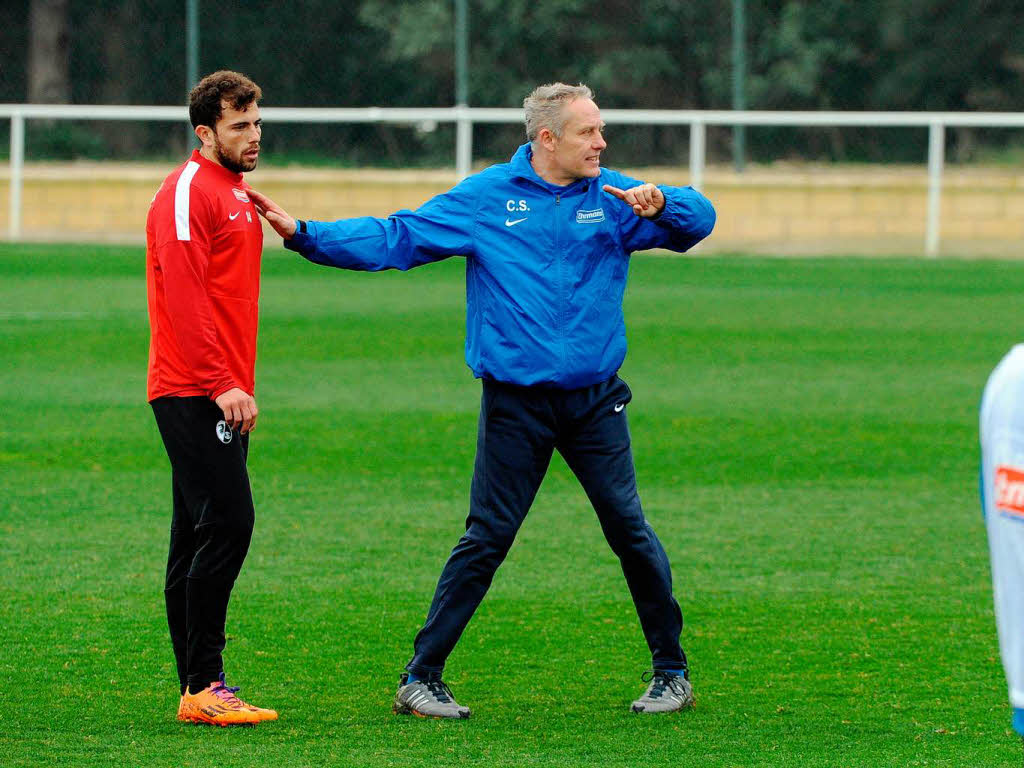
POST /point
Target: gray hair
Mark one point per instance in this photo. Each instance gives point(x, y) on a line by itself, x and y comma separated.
point(545, 107)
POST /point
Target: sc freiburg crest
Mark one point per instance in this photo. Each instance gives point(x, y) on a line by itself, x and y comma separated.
point(223, 432)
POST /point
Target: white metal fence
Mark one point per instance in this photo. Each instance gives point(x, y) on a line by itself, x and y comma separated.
point(465, 117)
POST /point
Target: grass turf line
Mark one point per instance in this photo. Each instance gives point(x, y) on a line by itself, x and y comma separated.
point(805, 440)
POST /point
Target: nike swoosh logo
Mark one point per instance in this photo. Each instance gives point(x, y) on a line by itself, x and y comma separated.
point(510, 223)
point(619, 407)
point(235, 215)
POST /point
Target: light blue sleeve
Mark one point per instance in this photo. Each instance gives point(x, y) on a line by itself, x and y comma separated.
point(441, 227)
point(688, 217)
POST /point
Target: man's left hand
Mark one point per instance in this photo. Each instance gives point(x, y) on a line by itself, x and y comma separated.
point(647, 200)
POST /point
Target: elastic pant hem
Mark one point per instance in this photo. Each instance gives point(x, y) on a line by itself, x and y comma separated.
point(424, 673)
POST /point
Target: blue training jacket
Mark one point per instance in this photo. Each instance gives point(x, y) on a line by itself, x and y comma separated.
point(545, 265)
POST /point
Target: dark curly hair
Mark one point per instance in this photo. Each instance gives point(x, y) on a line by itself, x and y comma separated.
point(204, 101)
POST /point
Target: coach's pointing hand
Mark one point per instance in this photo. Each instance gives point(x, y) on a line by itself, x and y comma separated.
point(275, 215)
point(647, 200)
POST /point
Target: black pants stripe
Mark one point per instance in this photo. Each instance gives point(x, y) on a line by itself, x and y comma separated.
point(211, 527)
point(519, 429)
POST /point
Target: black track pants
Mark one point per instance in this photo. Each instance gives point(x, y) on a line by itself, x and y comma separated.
point(211, 526)
point(519, 429)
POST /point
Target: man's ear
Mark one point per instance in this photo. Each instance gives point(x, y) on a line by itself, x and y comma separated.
point(546, 139)
point(205, 134)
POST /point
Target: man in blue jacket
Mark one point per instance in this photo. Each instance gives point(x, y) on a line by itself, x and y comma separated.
point(547, 239)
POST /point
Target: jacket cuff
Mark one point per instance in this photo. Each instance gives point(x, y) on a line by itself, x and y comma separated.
point(666, 217)
point(303, 239)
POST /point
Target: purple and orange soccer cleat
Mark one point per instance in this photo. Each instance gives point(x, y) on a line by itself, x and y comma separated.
point(217, 704)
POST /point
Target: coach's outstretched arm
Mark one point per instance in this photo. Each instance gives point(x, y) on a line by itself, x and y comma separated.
point(441, 227)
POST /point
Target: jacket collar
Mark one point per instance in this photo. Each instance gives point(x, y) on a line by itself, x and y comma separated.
point(522, 168)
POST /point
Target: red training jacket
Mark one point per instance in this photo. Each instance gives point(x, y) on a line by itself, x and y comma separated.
point(203, 246)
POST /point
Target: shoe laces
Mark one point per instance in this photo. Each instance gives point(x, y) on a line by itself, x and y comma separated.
point(660, 681)
point(440, 691)
point(226, 693)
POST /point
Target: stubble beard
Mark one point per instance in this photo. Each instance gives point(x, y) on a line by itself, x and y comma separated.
point(232, 164)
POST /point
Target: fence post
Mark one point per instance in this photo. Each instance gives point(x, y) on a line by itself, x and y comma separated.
point(17, 163)
point(697, 151)
point(936, 158)
point(463, 142)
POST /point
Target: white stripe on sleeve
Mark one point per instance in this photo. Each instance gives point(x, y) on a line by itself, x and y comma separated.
point(181, 200)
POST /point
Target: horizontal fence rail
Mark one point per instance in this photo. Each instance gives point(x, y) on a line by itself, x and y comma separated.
point(465, 117)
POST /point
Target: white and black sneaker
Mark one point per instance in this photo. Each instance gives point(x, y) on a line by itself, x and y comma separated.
point(667, 692)
point(427, 698)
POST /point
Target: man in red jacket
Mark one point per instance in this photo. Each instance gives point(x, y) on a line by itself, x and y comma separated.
point(203, 247)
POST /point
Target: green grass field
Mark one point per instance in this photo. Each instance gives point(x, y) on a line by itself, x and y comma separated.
point(805, 440)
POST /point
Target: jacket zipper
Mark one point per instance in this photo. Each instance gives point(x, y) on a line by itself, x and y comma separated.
point(563, 298)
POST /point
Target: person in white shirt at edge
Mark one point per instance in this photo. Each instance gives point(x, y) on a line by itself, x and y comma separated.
point(1002, 498)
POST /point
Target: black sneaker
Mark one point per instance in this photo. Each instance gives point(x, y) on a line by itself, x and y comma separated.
point(668, 692)
point(427, 698)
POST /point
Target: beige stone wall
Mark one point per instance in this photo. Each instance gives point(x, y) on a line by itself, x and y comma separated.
point(778, 209)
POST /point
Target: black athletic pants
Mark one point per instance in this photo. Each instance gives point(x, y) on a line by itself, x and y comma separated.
point(519, 429)
point(211, 526)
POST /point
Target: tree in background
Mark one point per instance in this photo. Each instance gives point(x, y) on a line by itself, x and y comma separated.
point(48, 81)
point(933, 55)
point(664, 54)
point(655, 59)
